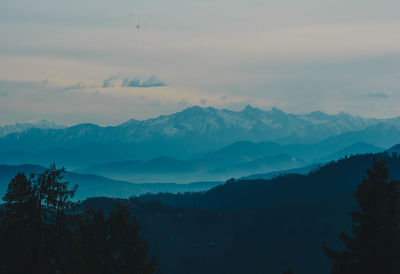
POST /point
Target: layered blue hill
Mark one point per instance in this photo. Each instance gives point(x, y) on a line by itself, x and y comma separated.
point(97, 186)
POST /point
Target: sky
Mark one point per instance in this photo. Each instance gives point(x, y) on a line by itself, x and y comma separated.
point(109, 61)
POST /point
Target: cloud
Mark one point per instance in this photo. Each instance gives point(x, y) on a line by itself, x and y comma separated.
point(378, 95)
point(74, 87)
point(131, 82)
point(152, 81)
point(108, 83)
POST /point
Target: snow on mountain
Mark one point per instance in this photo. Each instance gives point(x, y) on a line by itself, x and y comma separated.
point(19, 127)
point(197, 130)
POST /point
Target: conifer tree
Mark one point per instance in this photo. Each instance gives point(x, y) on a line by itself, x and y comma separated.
point(53, 193)
point(38, 233)
point(19, 226)
point(35, 233)
point(374, 247)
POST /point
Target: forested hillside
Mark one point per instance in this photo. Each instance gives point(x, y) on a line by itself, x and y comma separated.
point(254, 226)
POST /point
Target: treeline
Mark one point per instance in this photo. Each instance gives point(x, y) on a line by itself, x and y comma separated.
point(262, 225)
point(335, 179)
point(40, 232)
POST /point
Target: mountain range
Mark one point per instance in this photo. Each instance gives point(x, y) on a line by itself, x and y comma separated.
point(201, 141)
point(222, 127)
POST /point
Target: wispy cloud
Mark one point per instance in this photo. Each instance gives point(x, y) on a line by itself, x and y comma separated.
point(110, 82)
point(76, 86)
point(152, 81)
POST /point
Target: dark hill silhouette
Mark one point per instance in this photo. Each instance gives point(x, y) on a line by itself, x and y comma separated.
point(254, 226)
point(354, 149)
point(394, 149)
point(269, 175)
point(258, 240)
point(334, 179)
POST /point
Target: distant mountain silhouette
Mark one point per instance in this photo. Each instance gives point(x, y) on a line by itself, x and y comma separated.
point(357, 148)
point(244, 151)
point(269, 163)
point(381, 135)
point(96, 186)
point(236, 160)
point(188, 133)
point(164, 169)
point(394, 149)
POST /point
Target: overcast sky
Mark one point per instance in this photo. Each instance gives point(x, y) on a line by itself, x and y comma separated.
point(108, 61)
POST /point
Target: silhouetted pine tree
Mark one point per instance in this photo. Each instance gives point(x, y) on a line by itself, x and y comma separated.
point(374, 247)
point(37, 235)
point(54, 198)
point(19, 227)
point(35, 232)
point(53, 194)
